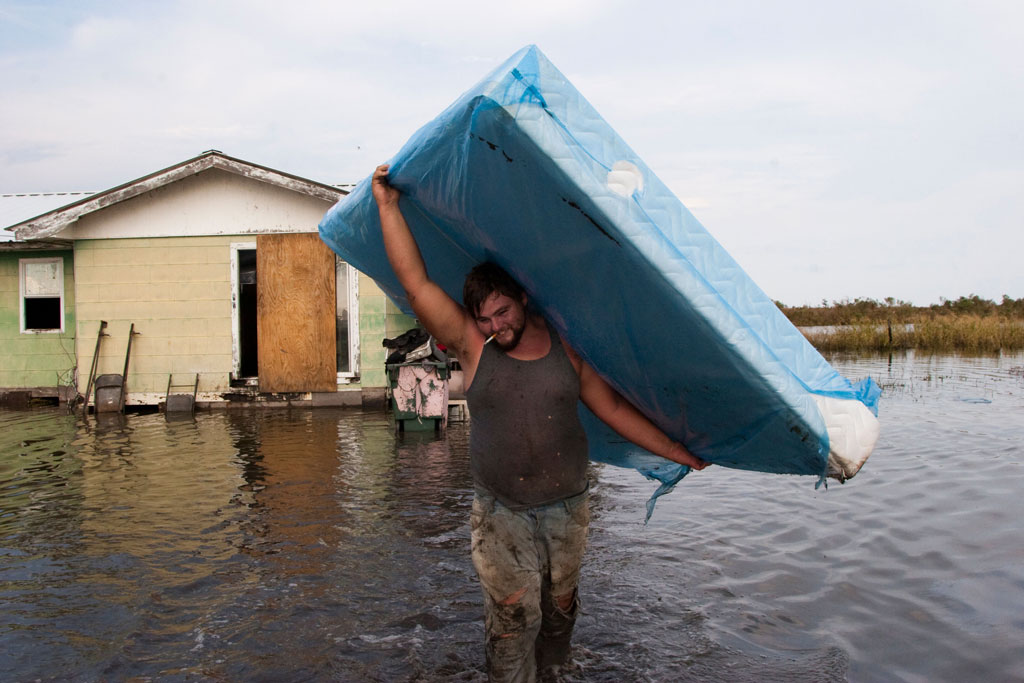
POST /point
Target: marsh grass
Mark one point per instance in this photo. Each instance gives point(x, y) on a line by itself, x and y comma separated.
point(965, 333)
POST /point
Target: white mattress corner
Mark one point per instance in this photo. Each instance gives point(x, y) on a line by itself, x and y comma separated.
point(852, 433)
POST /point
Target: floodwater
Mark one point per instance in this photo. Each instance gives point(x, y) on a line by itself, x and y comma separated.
point(316, 545)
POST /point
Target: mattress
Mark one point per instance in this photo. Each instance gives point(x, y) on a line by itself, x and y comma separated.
point(522, 171)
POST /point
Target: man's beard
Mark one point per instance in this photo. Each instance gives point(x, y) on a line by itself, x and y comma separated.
point(517, 334)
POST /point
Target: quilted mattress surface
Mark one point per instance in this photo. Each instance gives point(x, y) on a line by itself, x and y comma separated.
point(522, 171)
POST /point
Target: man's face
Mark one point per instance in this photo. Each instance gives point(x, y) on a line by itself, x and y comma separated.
point(505, 316)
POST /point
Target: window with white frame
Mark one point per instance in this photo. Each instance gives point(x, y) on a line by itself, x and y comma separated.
point(346, 329)
point(42, 294)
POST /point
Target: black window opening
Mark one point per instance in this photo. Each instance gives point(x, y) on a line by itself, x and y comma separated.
point(42, 313)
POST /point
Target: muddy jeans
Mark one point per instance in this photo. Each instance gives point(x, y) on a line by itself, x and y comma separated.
point(528, 561)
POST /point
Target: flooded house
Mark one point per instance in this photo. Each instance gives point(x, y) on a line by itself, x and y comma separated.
point(207, 277)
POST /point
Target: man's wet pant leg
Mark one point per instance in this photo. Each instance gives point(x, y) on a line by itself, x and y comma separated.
point(528, 562)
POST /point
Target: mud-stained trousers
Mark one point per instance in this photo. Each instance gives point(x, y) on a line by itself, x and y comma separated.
point(528, 562)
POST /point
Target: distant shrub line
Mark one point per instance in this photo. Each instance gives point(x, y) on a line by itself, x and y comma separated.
point(968, 324)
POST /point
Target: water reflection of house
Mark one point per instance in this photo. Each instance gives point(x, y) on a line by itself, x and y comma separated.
point(217, 263)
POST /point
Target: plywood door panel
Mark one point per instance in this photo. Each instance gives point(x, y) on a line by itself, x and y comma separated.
point(295, 313)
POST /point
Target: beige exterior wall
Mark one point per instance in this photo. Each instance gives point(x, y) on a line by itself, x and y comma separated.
point(177, 292)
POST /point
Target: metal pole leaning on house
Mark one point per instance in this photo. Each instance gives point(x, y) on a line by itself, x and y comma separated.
point(127, 357)
point(92, 371)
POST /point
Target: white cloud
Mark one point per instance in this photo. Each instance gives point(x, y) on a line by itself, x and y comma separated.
point(100, 32)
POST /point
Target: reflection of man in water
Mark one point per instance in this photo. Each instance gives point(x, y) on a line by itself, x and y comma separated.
point(528, 451)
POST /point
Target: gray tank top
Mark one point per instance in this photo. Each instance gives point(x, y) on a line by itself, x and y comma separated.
point(526, 444)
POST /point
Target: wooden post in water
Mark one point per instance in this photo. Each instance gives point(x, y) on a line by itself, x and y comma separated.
point(124, 377)
point(92, 370)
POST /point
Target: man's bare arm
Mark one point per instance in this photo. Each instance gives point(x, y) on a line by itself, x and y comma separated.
point(628, 422)
point(441, 315)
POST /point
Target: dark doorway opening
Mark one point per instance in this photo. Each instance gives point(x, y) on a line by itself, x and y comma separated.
point(249, 360)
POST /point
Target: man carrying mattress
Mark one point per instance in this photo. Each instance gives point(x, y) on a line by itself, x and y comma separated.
point(528, 450)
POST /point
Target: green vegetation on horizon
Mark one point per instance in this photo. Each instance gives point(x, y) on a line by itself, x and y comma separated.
point(970, 324)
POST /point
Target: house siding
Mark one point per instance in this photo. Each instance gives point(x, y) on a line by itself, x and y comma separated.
point(379, 319)
point(40, 361)
point(177, 292)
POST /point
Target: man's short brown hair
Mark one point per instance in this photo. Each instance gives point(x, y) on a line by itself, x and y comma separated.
point(484, 280)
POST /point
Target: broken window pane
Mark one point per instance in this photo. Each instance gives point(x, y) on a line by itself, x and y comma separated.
point(42, 278)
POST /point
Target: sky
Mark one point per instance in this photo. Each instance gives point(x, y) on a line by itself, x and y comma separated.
point(837, 150)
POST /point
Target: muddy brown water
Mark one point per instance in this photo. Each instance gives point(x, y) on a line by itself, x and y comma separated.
point(318, 545)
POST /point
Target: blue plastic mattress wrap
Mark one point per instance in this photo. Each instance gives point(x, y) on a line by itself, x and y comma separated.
point(522, 171)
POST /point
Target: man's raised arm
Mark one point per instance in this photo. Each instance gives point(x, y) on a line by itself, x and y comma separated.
point(441, 315)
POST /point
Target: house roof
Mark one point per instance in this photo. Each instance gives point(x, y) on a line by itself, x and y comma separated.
point(57, 218)
point(18, 208)
point(46, 244)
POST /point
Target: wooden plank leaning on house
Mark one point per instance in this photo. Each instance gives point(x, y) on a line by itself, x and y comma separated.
point(295, 314)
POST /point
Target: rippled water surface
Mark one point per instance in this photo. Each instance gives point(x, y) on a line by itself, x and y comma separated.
point(317, 545)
